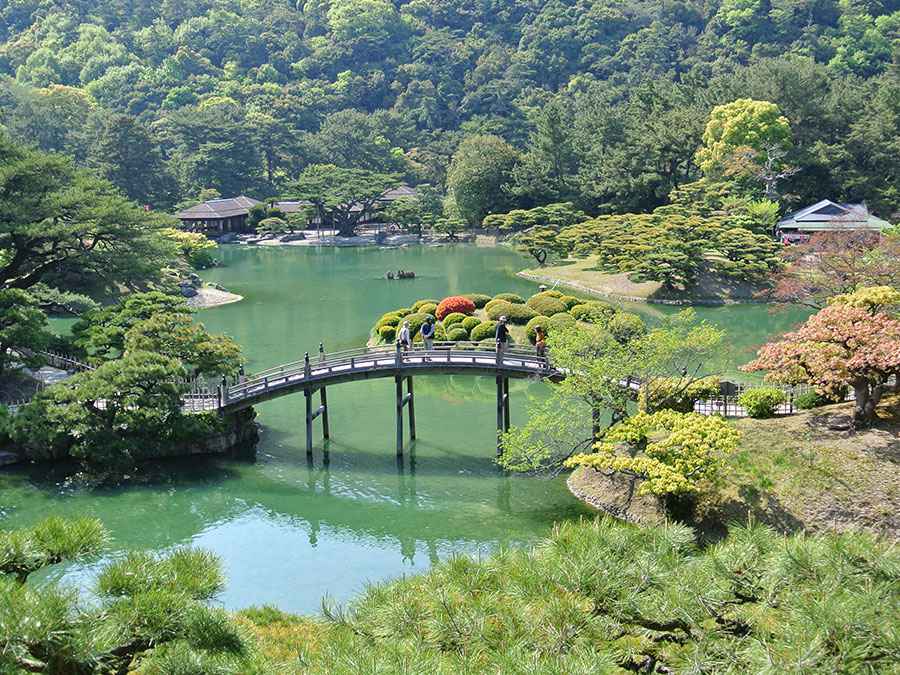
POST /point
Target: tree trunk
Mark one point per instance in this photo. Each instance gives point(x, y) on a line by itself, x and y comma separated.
point(868, 397)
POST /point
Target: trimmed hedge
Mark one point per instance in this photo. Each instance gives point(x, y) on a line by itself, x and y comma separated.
point(470, 322)
point(427, 308)
point(484, 331)
point(453, 304)
point(625, 327)
point(561, 320)
point(571, 301)
point(518, 314)
point(546, 304)
point(389, 319)
point(593, 312)
point(551, 294)
point(403, 311)
point(531, 327)
point(810, 399)
point(387, 333)
point(452, 318)
point(416, 308)
point(457, 334)
point(510, 297)
point(478, 299)
point(761, 402)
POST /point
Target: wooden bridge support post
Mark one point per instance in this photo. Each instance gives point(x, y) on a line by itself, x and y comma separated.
point(326, 434)
point(309, 422)
point(412, 409)
point(398, 382)
point(502, 410)
point(595, 420)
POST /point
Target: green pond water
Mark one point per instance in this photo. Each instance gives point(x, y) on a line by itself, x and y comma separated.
point(289, 532)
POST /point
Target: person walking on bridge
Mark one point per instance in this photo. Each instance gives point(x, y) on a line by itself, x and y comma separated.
point(502, 336)
point(427, 331)
point(404, 337)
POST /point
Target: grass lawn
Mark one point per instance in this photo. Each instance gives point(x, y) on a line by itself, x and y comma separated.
point(582, 275)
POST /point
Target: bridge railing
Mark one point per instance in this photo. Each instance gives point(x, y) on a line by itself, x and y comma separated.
point(370, 358)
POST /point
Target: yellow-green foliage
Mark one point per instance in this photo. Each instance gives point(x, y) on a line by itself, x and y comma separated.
point(516, 313)
point(571, 301)
point(873, 298)
point(478, 299)
point(674, 452)
point(470, 322)
point(452, 318)
point(593, 312)
point(417, 306)
point(761, 402)
point(510, 297)
point(484, 331)
point(676, 393)
point(547, 303)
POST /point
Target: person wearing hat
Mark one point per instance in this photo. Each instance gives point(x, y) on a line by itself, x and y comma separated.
point(404, 337)
point(502, 335)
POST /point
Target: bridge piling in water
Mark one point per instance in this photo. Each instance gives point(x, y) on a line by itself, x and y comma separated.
point(502, 411)
point(406, 400)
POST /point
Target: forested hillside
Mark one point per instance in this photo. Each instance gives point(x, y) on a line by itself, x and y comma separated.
point(599, 102)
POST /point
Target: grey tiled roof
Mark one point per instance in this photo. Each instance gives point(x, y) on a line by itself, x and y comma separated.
point(829, 215)
point(219, 208)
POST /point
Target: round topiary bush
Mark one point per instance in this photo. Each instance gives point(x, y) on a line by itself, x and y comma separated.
point(389, 319)
point(551, 294)
point(478, 299)
point(453, 305)
point(417, 306)
point(452, 318)
point(415, 323)
point(470, 322)
point(427, 308)
point(571, 301)
point(593, 312)
point(546, 304)
point(625, 327)
point(510, 297)
point(561, 320)
point(403, 311)
point(809, 400)
point(483, 331)
point(457, 334)
point(518, 314)
point(761, 402)
point(531, 327)
point(387, 333)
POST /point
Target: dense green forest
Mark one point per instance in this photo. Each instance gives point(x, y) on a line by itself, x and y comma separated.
point(599, 102)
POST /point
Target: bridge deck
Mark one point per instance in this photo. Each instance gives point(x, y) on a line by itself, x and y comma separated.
point(375, 362)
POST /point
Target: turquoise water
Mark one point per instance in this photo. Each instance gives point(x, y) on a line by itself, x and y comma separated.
point(290, 532)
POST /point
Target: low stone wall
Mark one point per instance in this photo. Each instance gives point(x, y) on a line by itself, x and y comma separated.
point(616, 495)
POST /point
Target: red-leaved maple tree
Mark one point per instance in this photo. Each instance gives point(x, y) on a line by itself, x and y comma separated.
point(839, 347)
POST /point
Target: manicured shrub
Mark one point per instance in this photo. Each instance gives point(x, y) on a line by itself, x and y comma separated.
point(478, 299)
point(531, 327)
point(452, 318)
point(454, 304)
point(415, 322)
point(670, 393)
point(388, 333)
point(561, 320)
point(595, 311)
point(510, 297)
point(403, 311)
point(470, 322)
point(417, 306)
point(457, 334)
point(625, 327)
point(484, 331)
point(518, 314)
point(809, 400)
point(427, 308)
point(551, 294)
point(546, 304)
point(571, 301)
point(761, 402)
point(389, 319)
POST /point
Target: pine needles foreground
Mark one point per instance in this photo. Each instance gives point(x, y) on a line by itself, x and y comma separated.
point(595, 597)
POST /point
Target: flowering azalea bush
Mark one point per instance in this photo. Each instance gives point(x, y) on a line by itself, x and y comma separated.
point(674, 452)
point(840, 346)
point(455, 303)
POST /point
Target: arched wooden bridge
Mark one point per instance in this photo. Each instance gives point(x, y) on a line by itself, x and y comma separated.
point(315, 374)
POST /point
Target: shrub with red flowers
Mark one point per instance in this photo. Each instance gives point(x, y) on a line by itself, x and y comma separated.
point(455, 303)
point(840, 346)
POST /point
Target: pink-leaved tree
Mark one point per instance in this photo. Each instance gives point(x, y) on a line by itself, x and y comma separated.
point(839, 347)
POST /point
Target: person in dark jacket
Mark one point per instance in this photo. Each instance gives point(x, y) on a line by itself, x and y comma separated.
point(427, 331)
point(502, 335)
